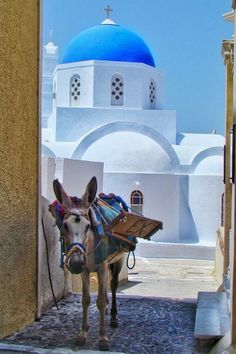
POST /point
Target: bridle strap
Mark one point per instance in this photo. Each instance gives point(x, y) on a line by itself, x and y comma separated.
point(69, 213)
point(74, 247)
point(76, 244)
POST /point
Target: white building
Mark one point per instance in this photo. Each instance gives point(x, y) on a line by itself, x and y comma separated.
point(108, 106)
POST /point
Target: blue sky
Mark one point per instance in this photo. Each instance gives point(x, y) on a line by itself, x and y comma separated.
point(185, 38)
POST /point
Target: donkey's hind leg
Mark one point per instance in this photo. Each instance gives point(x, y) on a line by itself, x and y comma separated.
point(102, 305)
point(115, 270)
point(85, 303)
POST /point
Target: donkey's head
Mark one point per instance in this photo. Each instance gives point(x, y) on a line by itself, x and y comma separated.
point(76, 224)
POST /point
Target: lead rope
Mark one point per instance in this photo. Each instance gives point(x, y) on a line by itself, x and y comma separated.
point(49, 272)
point(134, 260)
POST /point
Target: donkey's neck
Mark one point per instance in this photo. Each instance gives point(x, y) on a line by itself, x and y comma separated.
point(90, 251)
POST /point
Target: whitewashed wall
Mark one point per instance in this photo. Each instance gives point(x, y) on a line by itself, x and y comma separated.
point(205, 203)
point(77, 174)
point(161, 198)
point(188, 206)
point(96, 83)
point(48, 166)
point(74, 174)
point(62, 78)
point(61, 284)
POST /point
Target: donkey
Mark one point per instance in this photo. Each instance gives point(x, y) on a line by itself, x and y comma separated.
point(78, 234)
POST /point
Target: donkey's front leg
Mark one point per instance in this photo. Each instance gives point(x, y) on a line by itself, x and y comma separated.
point(102, 305)
point(85, 303)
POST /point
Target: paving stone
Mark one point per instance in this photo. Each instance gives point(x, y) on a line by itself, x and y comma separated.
point(146, 325)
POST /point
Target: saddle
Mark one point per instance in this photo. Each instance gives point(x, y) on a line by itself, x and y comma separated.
point(106, 208)
point(117, 228)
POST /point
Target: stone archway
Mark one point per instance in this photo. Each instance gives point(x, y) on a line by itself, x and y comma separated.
point(47, 152)
point(212, 151)
point(128, 127)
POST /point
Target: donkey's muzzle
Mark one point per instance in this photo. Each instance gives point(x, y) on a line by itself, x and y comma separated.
point(75, 258)
point(76, 263)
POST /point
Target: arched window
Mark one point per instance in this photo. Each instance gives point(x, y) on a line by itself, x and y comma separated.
point(136, 201)
point(152, 94)
point(75, 90)
point(117, 90)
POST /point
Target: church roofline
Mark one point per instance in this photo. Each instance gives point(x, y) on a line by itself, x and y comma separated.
point(87, 63)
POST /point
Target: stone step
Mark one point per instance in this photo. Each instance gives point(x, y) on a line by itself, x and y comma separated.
point(12, 348)
point(212, 316)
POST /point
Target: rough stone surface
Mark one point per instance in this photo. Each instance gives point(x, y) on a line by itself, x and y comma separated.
point(146, 325)
point(19, 70)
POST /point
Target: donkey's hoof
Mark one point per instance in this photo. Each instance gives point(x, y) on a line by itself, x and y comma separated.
point(104, 344)
point(114, 323)
point(81, 339)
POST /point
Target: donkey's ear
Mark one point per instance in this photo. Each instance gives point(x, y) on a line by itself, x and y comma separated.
point(90, 192)
point(61, 195)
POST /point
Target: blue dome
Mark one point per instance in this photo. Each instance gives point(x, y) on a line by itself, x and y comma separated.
point(108, 42)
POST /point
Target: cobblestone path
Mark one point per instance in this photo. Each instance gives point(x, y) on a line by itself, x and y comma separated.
point(147, 326)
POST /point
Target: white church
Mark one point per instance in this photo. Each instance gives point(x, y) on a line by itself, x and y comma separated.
point(103, 106)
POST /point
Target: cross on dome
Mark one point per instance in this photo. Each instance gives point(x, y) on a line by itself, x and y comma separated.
point(108, 20)
point(108, 9)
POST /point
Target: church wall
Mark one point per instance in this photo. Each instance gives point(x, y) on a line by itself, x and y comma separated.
point(160, 194)
point(19, 52)
point(187, 228)
point(63, 76)
point(137, 79)
point(188, 206)
point(205, 194)
point(73, 123)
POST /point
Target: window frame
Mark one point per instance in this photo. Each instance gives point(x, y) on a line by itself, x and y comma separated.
point(136, 206)
point(73, 102)
point(117, 90)
point(152, 93)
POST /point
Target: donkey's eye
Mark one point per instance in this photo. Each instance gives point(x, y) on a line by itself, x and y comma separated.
point(77, 219)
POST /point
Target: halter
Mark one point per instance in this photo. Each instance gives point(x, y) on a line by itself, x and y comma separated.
point(75, 247)
point(69, 213)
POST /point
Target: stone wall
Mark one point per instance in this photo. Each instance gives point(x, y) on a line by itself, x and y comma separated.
point(49, 253)
point(19, 53)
